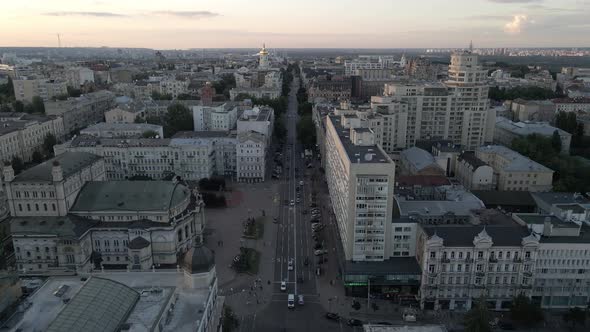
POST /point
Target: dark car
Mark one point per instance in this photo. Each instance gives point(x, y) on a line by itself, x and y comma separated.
point(332, 316)
point(354, 322)
point(384, 323)
point(506, 326)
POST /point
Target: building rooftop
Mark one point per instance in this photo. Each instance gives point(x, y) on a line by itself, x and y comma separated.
point(580, 100)
point(422, 180)
point(504, 198)
point(92, 141)
point(362, 154)
point(418, 158)
point(67, 226)
point(463, 235)
point(250, 135)
point(103, 126)
point(71, 162)
point(438, 208)
point(518, 162)
point(471, 159)
point(394, 265)
point(129, 196)
point(528, 128)
point(403, 328)
point(155, 292)
point(100, 305)
point(202, 134)
point(256, 114)
point(551, 198)
point(584, 237)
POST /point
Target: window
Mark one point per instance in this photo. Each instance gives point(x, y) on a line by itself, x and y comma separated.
point(431, 268)
point(480, 254)
point(432, 254)
point(527, 254)
point(479, 267)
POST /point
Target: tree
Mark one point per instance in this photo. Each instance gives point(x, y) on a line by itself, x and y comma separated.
point(161, 96)
point(5, 108)
point(306, 131)
point(279, 129)
point(72, 92)
point(17, 164)
point(48, 143)
point(37, 157)
point(575, 316)
point(229, 321)
point(149, 134)
point(478, 318)
point(18, 106)
point(525, 312)
point(556, 141)
point(305, 108)
point(38, 105)
point(178, 118)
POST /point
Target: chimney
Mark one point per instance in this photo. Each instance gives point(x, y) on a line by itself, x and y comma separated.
point(547, 226)
point(8, 172)
point(57, 172)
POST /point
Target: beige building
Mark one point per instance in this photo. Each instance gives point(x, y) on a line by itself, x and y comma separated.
point(461, 263)
point(513, 171)
point(81, 112)
point(360, 179)
point(506, 131)
point(473, 173)
point(126, 113)
point(23, 134)
point(250, 157)
point(25, 89)
point(533, 110)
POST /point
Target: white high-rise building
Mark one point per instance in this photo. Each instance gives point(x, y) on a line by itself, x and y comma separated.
point(458, 110)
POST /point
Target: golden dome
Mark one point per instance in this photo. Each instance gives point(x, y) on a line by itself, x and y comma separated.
point(263, 51)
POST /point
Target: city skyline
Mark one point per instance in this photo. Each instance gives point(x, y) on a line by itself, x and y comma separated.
point(305, 24)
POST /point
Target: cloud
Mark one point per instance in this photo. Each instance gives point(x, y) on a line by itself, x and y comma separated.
point(186, 13)
point(515, 1)
point(94, 14)
point(516, 25)
point(486, 17)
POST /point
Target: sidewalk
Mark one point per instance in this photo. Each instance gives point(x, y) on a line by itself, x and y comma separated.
point(226, 225)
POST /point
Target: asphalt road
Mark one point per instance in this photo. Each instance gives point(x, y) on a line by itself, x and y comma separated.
point(294, 242)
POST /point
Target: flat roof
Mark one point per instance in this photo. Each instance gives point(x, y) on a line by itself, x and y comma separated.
point(363, 154)
point(121, 126)
point(507, 198)
point(463, 235)
point(559, 198)
point(129, 196)
point(527, 128)
point(584, 237)
point(517, 162)
point(419, 158)
point(71, 162)
point(394, 265)
point(100, 305)
point(92, 141)
point(67, 226)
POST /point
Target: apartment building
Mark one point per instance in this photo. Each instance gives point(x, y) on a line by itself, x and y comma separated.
point(173, 87)
point(561, 274)
point(122, 130)
point(461, 263)
point(360, 179)
point(572, 105)
point(395, 119)
point(513, 171)
point(259, 119)
point(251, 156)
point(473, 173)
point(27, 88)
point(215, 118)
point(506, 131)
point(23, 134)
point(533, 110)
point(126, 113)
point(191, 155)
point(81, 112)
point(79, 76)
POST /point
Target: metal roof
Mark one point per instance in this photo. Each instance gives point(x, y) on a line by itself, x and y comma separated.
point(100, 305)
point(71, 162)
point(129, 196)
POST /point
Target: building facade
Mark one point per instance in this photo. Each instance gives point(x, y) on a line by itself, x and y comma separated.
point(25, 89)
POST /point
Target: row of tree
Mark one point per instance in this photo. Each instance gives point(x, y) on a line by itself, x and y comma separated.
point(177, 118)
point(571, 173)
point(523, 92)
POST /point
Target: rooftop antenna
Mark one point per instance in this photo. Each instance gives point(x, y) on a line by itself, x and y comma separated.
point(58, 40)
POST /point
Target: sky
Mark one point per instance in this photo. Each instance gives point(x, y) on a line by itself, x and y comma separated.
point(182, 24)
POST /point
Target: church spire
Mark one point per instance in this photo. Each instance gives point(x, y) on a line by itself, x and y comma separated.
point(471, 46)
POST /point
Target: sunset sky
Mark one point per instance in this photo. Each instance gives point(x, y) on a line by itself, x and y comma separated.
point(295, 24)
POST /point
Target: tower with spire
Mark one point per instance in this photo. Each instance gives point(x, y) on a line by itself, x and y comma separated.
point(263, 62)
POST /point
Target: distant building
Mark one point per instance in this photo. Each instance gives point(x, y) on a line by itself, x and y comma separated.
point(26, 89)
point(506, 131)
point(513, 171)
point(79, 76)
point(22, 134)
point(533, 110)
point(126, 113)
point(122, 130)
point(572, 105)
point(415, 161)
point(473, 173)
point(78, 113)
point(251, 157)
point(215, 118)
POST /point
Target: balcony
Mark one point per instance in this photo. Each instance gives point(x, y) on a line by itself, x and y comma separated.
point(526, 286)
point(445, 260)
point(528, 274)
point(493, 260)
point(517, 260)
point(469, 260)
point(480, 274)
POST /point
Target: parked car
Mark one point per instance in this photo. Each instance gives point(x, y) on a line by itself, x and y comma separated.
point(332, 316)
point(354, 322)
point(320, 252)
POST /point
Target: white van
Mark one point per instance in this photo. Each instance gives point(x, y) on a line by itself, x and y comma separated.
point(291, 301)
